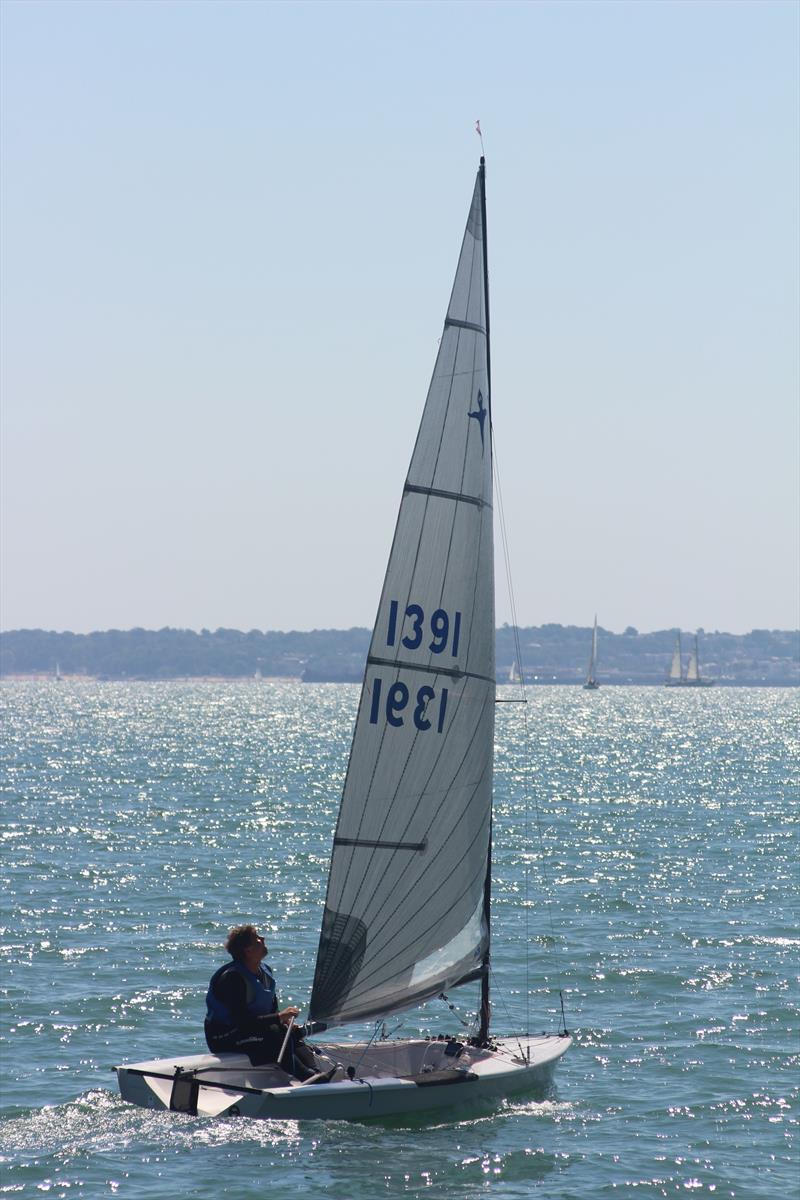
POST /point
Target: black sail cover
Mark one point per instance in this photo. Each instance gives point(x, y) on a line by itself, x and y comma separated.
point(404, 916)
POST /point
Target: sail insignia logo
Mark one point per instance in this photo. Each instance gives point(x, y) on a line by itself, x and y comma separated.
point(480, 415)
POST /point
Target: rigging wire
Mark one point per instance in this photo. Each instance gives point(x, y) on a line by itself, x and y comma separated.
point(527, 742)
point(497, 992)
point(467, 1024)
point(379, 1025)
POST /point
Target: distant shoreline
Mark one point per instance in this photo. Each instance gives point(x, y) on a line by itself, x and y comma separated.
point(547, 654)
point(529, 683)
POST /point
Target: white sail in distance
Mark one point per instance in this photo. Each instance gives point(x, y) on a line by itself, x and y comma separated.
point(590, 674)
point(675, 667)
point(405, 914)
point(692, 672)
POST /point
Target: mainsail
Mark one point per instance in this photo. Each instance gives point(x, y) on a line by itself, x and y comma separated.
point(675, 667)
point(692, 672)
point(406, 914)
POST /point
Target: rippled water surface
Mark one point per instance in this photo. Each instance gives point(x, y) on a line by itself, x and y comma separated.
point(661, 847)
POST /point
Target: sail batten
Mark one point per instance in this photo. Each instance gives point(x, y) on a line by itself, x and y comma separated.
point(377, 844)
point(452, 322)
point(405, 913)
point(428, 668)
point(459, 497)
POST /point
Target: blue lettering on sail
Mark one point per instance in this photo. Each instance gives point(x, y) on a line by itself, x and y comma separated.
point(397, 699)
point(480, 415)
point(443, 633)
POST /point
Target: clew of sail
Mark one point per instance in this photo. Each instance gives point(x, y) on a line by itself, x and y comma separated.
point(405, 914)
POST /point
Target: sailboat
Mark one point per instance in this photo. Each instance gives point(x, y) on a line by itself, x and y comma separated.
point(675, 673)
point(591, 684)
point(407, 911)
point(692, 678)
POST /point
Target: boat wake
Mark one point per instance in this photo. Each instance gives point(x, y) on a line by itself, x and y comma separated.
point(100, 1123)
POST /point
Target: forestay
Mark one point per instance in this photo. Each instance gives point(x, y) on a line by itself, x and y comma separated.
point(405, 916)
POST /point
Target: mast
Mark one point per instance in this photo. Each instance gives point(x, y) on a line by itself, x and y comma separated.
point(482, 177)
point(485, 1011)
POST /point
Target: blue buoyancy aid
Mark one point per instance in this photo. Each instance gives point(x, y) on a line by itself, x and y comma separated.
point(261, 998)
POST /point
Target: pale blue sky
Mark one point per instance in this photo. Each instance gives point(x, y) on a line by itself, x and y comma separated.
point(229, 233)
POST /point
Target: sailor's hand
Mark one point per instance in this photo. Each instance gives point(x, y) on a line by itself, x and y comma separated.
point(286, 1014)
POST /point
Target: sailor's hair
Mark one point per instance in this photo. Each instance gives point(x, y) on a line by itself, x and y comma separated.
point(239, 939)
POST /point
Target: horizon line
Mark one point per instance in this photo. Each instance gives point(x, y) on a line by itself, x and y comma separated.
point(700, 630)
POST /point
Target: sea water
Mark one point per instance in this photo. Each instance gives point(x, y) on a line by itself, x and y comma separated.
point(645, 870)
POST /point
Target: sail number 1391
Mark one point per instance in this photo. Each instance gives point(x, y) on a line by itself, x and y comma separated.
point(442, 630)
point(425, 708)
point(436, 634)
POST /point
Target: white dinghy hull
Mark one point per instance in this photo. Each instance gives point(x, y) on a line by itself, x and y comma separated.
point(227, 1085)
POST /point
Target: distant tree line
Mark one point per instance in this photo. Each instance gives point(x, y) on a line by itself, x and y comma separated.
point(179, 653)
point(547, 654)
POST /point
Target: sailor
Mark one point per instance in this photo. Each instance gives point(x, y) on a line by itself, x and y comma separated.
point(242, 1009)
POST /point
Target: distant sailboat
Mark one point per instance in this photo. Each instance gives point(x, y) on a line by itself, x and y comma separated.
point(515, 675)
point(675, 673)
point(58, 676)
point(692, 678)
point(591, 684)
